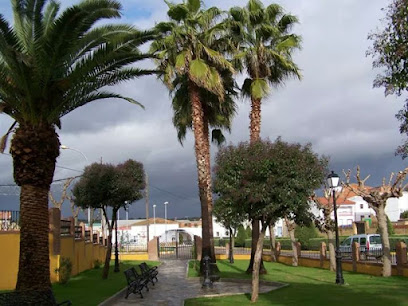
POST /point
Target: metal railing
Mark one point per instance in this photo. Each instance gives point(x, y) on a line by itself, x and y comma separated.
point(9, 220)
point(65, 227)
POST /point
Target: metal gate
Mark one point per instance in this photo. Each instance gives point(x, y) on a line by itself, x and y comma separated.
point(176, 244)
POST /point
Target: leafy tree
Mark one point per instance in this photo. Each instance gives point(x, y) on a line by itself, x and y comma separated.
point(241, 236)
point(229, 215)
point(51, 63)
point(264, 51)
point(248, 232)
point(106, 186)
point(200, 79)
point(390, 54)
point(268, 181)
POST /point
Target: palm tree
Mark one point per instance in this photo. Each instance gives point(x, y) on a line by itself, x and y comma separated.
point(264, 47)
point(200, 79)
point(50, 64)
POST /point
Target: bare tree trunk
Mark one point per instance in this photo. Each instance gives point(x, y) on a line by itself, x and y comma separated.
point(382, 225)
point(257, 264)
point(332, 252)
point(295, 258)
point(272, 240)
point(254, 243)
point(105, 271)
point(231, 245)
point(202, 151)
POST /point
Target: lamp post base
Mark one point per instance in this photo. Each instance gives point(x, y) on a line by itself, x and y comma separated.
point(339, 269)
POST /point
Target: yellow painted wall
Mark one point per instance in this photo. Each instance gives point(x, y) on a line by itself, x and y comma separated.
point(81, 254)
point(362, 267)
point(129, 256)
point(10, 245)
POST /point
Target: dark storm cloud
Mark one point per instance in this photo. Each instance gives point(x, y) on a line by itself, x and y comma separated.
point(334, 107)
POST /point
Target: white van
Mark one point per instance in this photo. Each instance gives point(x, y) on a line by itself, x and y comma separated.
point(370, 245)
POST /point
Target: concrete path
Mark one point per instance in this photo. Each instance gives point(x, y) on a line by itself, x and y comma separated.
point(173, 288)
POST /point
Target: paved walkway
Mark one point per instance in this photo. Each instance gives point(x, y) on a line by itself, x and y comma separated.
point(173, 288)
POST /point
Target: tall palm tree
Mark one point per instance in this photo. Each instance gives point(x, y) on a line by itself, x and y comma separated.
point(50, 64)
point(264, 45)
point(200, 79)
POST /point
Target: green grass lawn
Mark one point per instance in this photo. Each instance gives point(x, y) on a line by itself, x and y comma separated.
point(312, 286)
point(88, 288)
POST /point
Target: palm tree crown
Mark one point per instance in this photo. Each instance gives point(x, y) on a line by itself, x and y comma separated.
point(51, 63)
point(264, 46)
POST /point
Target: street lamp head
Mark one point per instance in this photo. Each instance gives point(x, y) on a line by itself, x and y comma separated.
point(154, 206)
point(333, 180)
point(165, 203)
point(64, 147)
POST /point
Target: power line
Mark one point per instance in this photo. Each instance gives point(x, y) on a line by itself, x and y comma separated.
point(171, 193)
point(61, 167)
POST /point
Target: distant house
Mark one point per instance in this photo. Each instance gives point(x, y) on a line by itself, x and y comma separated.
point(352, 208)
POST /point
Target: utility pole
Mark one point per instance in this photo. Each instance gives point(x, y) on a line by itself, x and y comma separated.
point(147, 207)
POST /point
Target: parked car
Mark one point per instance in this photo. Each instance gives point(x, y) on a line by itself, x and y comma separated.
point(370, 245)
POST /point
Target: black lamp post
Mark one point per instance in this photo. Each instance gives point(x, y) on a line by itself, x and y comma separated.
point(116, 246)
point(333, 182)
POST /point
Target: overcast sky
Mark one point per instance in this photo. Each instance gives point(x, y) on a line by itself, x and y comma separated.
point(334, 107)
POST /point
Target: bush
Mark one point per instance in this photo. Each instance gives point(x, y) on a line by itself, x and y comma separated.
point(241, 236)
point(64, 270)
point(404, 215)
point(97, 264)
point(304, 233)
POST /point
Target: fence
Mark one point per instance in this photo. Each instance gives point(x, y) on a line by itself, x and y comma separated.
point(9, 220)
point(360, 259)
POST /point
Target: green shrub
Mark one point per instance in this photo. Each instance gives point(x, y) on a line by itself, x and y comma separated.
point(97, 264)
point(404, 215)
point(304, 233)
point(64, 270)
point(241, 236)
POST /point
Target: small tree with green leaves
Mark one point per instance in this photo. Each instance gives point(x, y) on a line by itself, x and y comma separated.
point(106, 186)
point(267, 181)
point(241, 236)
point(231, 217)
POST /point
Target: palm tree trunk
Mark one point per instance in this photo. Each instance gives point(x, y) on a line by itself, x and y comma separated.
point(202, 151)
point(255, 120)
point(34, 151)
point(34, 263)
point(255, 131)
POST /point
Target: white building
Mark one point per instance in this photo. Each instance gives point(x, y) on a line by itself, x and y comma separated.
point(352, 208)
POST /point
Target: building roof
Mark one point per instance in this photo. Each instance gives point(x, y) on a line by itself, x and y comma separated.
point(155, 220)
point(339, 201)
point(343, 196)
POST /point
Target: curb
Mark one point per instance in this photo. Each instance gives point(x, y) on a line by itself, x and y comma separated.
point(113, 297)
